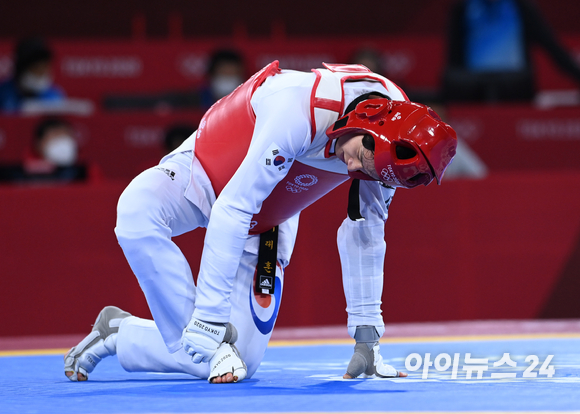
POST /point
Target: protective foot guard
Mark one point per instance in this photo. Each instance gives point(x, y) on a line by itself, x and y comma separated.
point(367, 361)
point(100, 343)
point(226, 360)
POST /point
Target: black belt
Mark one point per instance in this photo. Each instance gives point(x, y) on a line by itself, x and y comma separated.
point(267, 258)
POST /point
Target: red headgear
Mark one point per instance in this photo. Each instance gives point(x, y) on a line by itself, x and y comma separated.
point(412, 144)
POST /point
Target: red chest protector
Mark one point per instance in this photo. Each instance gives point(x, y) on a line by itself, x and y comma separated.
point(226, 129)
point(303, 184)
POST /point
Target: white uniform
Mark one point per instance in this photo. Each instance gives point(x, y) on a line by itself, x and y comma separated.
point(177, 196)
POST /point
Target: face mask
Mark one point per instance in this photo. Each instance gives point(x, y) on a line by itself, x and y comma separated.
point(34, 83)
point(224, 85)
point(61, 150)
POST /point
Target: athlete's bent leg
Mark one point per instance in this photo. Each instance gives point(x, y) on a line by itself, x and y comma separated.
point(150, 212)
point(100, 343)
point(140, 346)
point(166, 280)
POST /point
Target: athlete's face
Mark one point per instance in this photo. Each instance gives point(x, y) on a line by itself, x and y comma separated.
point(356, 157)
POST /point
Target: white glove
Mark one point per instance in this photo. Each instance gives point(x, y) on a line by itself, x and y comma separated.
point(201, 339)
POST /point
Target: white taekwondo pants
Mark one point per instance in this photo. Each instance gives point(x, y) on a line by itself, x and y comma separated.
point(152, 210)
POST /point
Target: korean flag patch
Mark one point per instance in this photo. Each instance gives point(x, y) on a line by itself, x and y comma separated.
point(276, 159)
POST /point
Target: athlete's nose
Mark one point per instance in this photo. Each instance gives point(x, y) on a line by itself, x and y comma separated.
point(354, 164)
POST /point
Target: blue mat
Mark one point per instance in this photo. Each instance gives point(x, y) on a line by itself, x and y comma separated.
point(308, 379)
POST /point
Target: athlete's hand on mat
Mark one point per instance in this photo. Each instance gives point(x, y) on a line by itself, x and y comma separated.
point(367, 362)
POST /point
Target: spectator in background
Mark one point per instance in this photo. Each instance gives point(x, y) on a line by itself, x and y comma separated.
point(31, 79)
point(172, 138)
point(225, 73)
point(52, 158)
point(489, 44)
point(175, 136)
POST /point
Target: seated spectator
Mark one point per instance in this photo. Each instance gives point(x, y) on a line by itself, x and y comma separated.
point(172, 138)
point(225, 73)
point(489, 56)
point(31, 80)
point(52, 158)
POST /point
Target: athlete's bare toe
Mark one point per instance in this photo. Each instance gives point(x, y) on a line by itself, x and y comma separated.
point(226, 378)
point(80, 377)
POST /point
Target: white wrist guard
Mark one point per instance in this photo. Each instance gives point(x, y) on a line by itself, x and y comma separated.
point(201, 339)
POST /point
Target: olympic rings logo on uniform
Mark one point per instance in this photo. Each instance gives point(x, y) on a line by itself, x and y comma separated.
point(313, 178)
point(389, 175)
point(385, 174)
point(293, 189)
